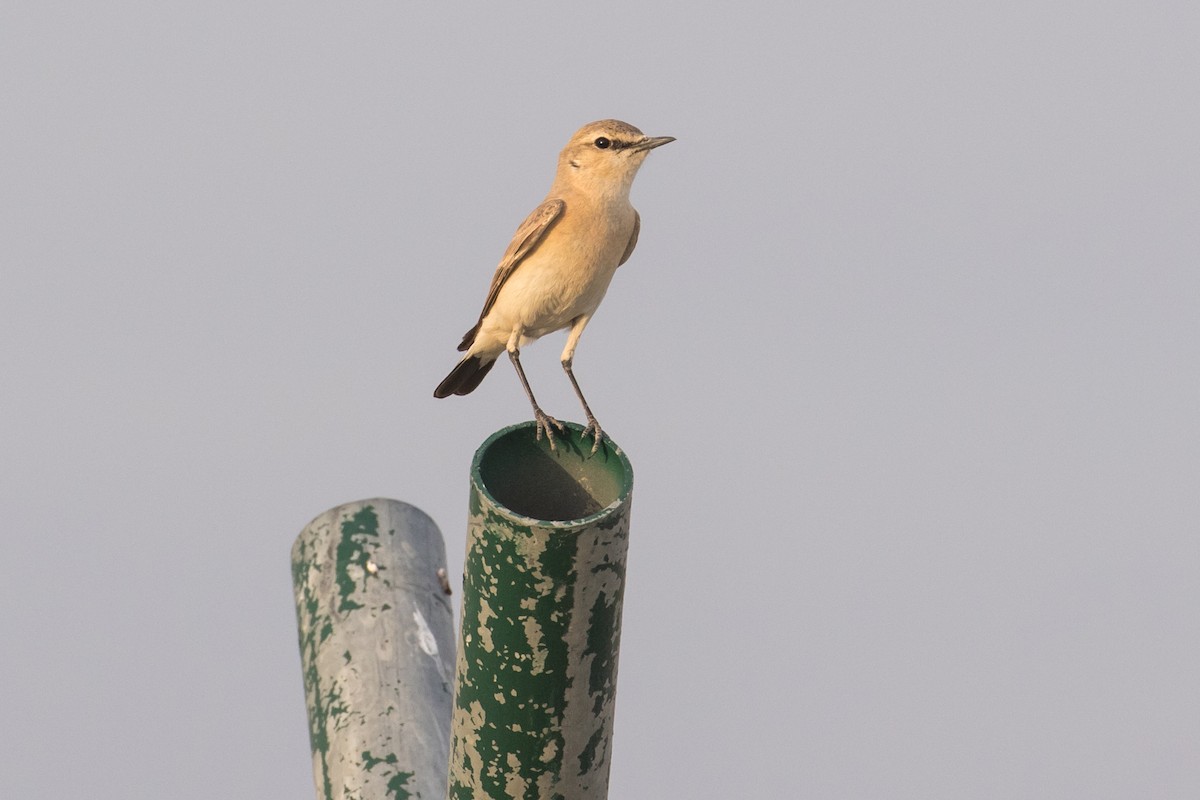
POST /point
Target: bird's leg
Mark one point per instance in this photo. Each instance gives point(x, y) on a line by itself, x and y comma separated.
point(568, 358)
point(593, 427)
point(544, 421)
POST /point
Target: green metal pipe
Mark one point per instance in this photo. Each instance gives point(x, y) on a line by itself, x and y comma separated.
point(544, 577)
point(377, 648)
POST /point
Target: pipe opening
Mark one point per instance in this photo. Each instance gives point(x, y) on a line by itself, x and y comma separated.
point(523, 475)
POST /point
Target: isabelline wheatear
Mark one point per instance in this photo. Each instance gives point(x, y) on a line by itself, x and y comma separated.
point(560, 262)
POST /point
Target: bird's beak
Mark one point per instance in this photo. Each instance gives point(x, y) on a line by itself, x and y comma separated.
point(651, 142)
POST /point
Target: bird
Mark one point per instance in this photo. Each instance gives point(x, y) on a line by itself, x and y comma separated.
point(559, 263)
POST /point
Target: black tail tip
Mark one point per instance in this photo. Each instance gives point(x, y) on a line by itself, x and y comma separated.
point(465, 376)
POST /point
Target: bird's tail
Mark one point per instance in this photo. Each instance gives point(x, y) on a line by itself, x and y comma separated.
point(465, 376)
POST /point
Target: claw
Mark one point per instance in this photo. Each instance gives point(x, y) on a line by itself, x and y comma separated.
point(593, 428)
point(547, 423)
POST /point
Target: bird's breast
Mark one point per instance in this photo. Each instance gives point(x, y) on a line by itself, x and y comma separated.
point(567, 274)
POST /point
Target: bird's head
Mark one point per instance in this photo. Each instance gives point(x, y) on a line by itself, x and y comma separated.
point(606, 155)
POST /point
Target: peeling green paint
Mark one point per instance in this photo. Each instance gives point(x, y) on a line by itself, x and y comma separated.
point(602, 636)
point(311, 636)
point(396, 786)
point(541, 609)
point(351, 552)
point(587, 759)
point(370, 761)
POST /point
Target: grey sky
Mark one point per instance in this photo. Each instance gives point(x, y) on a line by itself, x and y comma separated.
point(905, 362)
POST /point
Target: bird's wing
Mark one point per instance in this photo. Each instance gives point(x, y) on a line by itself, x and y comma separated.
point(637, 228)
point(524, 241)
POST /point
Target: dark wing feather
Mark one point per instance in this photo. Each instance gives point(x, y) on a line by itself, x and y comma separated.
point(524, 241)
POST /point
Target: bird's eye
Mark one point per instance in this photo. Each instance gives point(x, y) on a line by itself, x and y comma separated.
point(603, 143)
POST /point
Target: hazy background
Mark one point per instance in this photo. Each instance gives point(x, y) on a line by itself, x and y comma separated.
point(906, 364)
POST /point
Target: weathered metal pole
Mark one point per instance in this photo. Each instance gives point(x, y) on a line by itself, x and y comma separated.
point(377, 646)
point(541, 619)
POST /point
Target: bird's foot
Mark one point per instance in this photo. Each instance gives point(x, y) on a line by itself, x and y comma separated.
point(593, 429)
point(547, 423)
